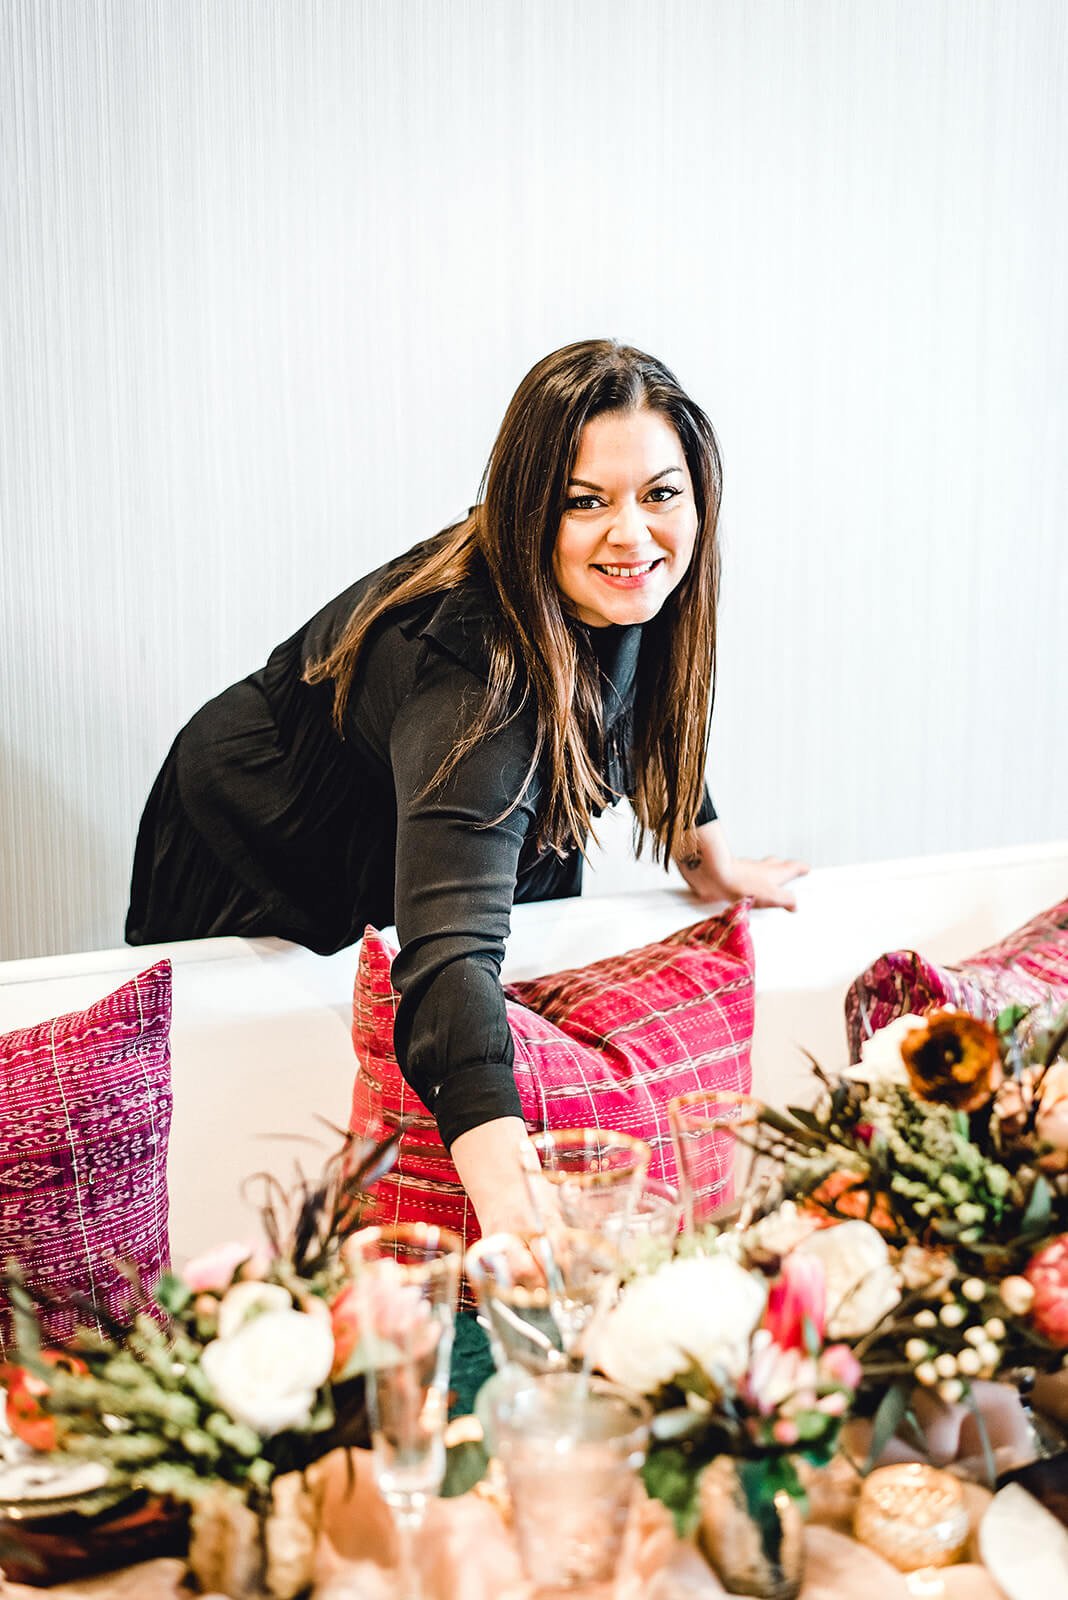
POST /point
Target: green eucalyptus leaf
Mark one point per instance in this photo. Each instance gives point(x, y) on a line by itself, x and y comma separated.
point(172, 1294)
point(465, 1465)
point(681, 1422)
point(1039, 1209)
point(887, 1419)
point(1009, 1019)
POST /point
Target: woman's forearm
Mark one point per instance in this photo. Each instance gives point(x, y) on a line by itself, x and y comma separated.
point(489, 1162)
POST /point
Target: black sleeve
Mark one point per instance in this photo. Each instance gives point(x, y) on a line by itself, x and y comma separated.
point(707, 812)
point(455, 882)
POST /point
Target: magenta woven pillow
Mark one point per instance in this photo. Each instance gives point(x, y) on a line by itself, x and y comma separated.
point(85, 1114)
point(1029, 967)
point(606, 1045)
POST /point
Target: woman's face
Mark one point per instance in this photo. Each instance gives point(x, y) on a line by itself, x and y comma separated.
point(630, 519)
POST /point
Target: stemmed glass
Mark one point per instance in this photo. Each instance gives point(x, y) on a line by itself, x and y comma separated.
point(714, 1132)
point(595, 1174)
point(537, 1297)
point(540, 1296)
point(409, 1279)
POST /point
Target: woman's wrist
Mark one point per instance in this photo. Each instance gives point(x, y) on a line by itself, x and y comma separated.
point(489, 1160)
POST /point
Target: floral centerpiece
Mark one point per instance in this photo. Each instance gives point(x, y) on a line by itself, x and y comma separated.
point(950, 1139)
point(251, 1372)
point(744, 1385)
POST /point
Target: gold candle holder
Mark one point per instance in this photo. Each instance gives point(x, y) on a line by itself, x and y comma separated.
point(913, 1516)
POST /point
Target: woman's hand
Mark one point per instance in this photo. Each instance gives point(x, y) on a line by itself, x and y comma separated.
point(490, 1161)
point(714, 873)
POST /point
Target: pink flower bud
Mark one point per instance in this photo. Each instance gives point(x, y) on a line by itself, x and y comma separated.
point(839, 1365)
point(214, 1271)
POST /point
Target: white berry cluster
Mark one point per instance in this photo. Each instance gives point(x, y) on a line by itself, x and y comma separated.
point(957, 1342)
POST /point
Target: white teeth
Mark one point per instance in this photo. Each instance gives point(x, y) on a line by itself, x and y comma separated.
point(628, 572)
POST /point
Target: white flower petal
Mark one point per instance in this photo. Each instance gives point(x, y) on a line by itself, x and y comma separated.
point(862, 1286)
point(880, 1056)
point(245, 1300)
point(699, 1309)
point(268, 1372)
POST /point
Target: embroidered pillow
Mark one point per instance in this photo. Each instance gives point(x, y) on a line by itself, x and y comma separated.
point(606, 1045)
point(85, 1114)
point(1029, 967)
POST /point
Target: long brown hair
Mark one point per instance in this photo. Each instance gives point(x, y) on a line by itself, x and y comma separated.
point(534, 658)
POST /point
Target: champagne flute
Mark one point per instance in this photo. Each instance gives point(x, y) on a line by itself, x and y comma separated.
point(409, 1278)
point(714, 1133)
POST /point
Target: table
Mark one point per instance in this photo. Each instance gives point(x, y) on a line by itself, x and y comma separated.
point(468, 1554)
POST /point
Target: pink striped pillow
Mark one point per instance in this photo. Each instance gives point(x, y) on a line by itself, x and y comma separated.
point(1029, 967)
point(85, 1114)
point(606, 1045)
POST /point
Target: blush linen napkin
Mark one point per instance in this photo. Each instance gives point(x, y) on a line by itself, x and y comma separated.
point(467, 1553)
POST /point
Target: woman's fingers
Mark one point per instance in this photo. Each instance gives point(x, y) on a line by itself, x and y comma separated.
point(785, 870)
point(767, 881)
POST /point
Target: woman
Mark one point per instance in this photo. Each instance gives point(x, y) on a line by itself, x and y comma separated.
point(437, 742)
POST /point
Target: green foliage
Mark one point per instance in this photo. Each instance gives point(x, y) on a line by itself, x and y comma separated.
point(465, 1465)
point(143, 1403)
point(888, 1417)
point(671, 1475)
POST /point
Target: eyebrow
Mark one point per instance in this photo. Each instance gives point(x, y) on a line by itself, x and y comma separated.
point(583, 483)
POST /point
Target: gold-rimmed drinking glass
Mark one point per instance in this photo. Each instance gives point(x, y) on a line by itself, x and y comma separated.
point(595, 1174)
point(714, 1132)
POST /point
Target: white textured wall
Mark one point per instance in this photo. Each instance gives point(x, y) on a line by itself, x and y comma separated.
point(269, 270)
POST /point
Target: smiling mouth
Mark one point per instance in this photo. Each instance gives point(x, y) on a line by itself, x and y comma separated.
point(637, 571)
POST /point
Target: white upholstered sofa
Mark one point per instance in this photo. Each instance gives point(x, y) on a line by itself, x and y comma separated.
point(260, 1036)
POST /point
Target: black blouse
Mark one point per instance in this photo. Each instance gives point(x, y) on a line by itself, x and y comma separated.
point(330, 834)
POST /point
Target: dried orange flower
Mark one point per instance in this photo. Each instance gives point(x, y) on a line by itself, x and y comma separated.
point(844, 1194)
point(954, 1060)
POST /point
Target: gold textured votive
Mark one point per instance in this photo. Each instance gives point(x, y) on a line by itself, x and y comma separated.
point(913, 1516)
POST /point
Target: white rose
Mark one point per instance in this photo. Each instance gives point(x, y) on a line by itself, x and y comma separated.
point(268, 1372)
point(880, 1056)
point(244, 1301)
point(862, 1286)
point(701, 1309)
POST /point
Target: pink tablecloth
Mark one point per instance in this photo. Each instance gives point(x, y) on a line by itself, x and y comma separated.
point(467, 1554)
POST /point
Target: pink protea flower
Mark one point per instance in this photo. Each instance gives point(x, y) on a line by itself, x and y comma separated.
point(1047, 1273)
point(779, 1377)
point(797, 1303)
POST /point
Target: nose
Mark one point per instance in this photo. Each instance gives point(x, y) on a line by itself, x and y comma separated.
point(628, 525)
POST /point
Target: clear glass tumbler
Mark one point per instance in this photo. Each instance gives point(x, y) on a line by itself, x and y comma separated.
point(653, 1219)
point(571, 1448)
point(408, 1277)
